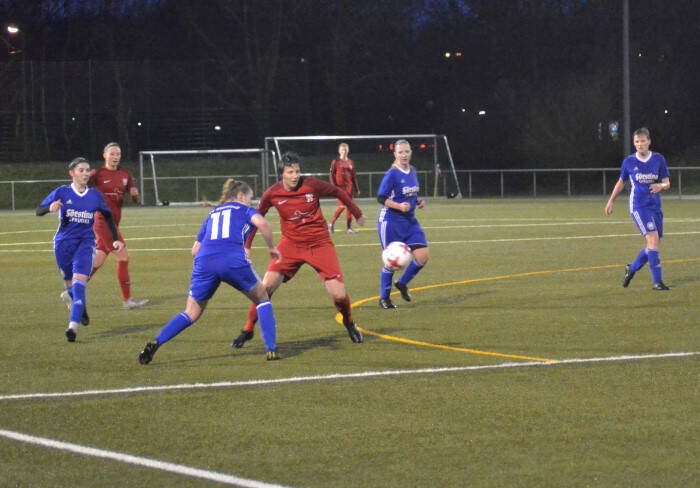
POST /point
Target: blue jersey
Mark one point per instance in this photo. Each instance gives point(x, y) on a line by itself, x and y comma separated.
point(77, 215)
point(400, 187)
point(223, 233)
point(393, 225)
point(641, 175)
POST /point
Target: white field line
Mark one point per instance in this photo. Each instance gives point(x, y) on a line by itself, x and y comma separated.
point(49, 244)
point(180, 469)
point(232, 480)
point(449, 223)
point(340, 376)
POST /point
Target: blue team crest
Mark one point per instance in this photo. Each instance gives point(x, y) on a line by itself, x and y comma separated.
point(650, 226)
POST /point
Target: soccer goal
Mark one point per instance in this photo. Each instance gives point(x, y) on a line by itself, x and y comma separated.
point(372, 155)
point(195, 177)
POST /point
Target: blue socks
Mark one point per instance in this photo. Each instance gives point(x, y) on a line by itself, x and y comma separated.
point(385, 283)
point(411, 271)
point(182, 320)
point(640, 260)
point(176, 325)
point(655, 265)
point(652, 257)
point(386, 277)
point(268, 326)
point(77, 291)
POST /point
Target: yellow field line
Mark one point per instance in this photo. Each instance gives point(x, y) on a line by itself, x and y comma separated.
point(339, 317)
point(458, 349)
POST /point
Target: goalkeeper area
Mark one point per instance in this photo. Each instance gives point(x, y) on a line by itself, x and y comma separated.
point(194, 177)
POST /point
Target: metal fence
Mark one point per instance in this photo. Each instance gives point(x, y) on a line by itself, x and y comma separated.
point(477, 183)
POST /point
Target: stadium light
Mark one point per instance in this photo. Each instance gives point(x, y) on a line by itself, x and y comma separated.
point(12, 31)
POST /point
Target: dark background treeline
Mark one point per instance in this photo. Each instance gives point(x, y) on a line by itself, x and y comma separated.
point(162, 74)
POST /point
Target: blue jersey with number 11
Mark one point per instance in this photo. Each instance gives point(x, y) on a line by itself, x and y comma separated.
point(223, 233)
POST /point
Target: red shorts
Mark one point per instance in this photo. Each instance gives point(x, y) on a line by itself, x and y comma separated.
point(321, 257)
point(103, 237)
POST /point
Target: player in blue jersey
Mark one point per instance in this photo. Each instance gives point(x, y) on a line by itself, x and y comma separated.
point(74, 241)
point(219, 256)
point(648, 176)
point(398, 195)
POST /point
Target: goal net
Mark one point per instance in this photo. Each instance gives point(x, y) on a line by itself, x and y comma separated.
point(372, 155)
point(195, 177)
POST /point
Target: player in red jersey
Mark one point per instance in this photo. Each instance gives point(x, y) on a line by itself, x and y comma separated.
point(114, 182)
point(343, 175)
point(305, 239)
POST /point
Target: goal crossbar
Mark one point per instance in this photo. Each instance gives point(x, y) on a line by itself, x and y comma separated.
point(150, 155)
point(272, 149)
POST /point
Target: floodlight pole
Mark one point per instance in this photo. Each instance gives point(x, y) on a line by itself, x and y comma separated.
point(626, 131)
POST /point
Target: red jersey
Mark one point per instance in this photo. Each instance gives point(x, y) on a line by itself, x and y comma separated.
point(343, 173)
point(113, 185)
point(300, 214)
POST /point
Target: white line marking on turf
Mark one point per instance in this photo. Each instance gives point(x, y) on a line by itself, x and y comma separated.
point(338, 376)
point(49, 245)
point(244, 482)
point(137, 461)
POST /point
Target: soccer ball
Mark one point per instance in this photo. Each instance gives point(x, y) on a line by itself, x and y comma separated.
point(396, 255)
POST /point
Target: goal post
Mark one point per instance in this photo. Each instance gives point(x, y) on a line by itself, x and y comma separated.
point(189, 177)
point(372, 155)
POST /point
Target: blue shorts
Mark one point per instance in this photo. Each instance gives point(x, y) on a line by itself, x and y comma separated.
point(402, 229)
point(648, 220)
point(74, 256)
point(208, 274)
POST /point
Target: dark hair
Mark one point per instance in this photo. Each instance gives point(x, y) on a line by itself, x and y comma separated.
point(288, 158)
point(76, 161)
point(232, 188)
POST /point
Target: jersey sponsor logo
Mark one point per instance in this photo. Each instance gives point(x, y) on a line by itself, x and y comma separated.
point(410, 191)
point(80, 216)
point(646, 179)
